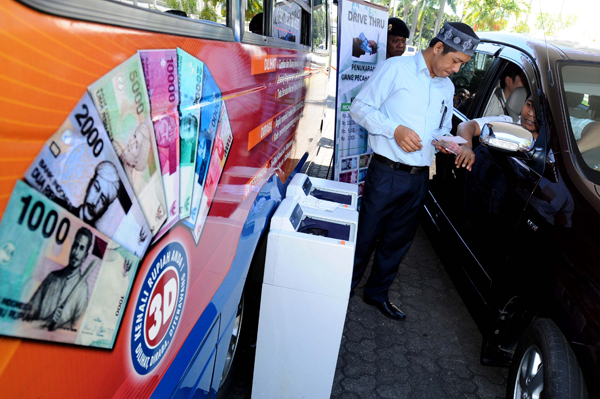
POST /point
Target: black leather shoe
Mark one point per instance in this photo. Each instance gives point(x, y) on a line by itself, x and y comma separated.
point(387, 308)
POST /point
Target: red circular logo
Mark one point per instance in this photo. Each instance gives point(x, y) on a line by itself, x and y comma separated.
point(161, 307)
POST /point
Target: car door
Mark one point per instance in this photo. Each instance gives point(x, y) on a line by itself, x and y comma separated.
point(483, 207)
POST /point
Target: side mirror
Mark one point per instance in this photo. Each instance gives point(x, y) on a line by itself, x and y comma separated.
point(510, 138)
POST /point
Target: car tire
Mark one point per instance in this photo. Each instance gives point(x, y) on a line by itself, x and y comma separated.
point(228, 376)
point(544, 366)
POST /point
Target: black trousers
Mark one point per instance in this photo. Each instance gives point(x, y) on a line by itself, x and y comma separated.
point(387, 223)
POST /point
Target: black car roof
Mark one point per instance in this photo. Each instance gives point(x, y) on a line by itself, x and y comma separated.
point(535, 45)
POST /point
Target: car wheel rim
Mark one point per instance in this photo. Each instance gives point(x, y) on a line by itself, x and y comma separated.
point(530, 376)
point(233, 343)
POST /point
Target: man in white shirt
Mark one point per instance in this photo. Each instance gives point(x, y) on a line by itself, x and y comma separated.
point(511, 78)
point(403, 104)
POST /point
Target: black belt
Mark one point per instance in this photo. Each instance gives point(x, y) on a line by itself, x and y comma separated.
point(413, 170)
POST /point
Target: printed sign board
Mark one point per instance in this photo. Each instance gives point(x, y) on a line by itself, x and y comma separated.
point(362, 40)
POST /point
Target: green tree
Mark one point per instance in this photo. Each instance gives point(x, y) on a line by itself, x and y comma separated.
point(254, 7)
point(554, 23)
point(188, 6)
point(487, 15)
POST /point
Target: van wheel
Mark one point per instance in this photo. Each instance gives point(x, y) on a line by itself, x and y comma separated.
point(544, 366)
point(229, 369)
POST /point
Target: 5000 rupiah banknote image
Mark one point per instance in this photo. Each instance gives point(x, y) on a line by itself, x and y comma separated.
point(78, 169)
point(122, 101)
point(160, 71)
point(190, 94)
point(60, 279)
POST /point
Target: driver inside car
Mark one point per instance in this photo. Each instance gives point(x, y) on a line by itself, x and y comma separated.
point(586, 131)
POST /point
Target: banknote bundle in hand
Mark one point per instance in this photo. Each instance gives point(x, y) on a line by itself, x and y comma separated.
point(60, 279)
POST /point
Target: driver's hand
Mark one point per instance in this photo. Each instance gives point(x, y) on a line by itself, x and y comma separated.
point(465, 159)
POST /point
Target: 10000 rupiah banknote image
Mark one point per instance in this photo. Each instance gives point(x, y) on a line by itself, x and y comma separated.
point(190, 94)
point(78, 169)
point(122, 101)
point(160, 71)
point(60, 279)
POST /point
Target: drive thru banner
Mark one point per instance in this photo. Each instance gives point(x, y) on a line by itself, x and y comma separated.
point(362, 38)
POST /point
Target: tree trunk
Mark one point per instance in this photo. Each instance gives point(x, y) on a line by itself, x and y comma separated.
point(440, 18)
point(405, 12)
point(423, 18)
point(415, 19)
point(393, 7)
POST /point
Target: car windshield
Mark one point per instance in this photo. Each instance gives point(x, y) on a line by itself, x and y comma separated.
point(581, 85)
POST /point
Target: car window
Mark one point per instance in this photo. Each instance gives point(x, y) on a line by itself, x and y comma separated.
point(469, 78)
point(581, 102)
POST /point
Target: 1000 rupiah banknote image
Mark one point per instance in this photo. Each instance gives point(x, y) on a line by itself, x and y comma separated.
point(223, 142)
point(122, 101)
point(209, 118)
point(190, 94)
point(160, 71)
point(79, 170)
point(60, 279)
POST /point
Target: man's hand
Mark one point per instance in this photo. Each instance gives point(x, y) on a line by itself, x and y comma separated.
point(441, 149)
point(466, 158)
point(373, 45)
point(407, 139)
point(356, 50)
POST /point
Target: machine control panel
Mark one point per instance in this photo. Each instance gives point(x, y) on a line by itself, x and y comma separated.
point(307, 186)
point(296, 216)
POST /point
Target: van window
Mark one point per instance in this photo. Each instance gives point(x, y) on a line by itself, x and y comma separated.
point(320, 24)
point(287, 17)
point(213, 11)
point(581, 101)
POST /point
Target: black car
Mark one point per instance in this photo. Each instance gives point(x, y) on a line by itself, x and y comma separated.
point(517, 233)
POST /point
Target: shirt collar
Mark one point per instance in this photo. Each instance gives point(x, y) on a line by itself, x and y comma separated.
point(422, 67)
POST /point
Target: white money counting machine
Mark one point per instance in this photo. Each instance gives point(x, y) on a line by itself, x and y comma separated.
point(305, 290)
point(345, 194)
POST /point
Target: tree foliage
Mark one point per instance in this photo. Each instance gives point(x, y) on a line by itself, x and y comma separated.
point(554, 23)
point(487, 15)
point(188, 6)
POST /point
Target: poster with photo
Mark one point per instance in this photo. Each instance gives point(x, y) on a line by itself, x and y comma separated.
point(362, 38)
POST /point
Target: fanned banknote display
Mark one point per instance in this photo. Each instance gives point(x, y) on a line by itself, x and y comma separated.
point(122, 101)
point(190, 94)
point(160, 71)
point(209, 117)
point(223, 142)
point(78, 169)
point(60, 279)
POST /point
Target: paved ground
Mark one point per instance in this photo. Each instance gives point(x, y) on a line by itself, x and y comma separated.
point(434, 353)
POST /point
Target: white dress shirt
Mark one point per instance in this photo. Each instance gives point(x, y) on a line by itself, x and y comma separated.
point(402, 92)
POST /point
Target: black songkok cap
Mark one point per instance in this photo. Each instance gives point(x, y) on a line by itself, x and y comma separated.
point(459, 36)
point(397, 27)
